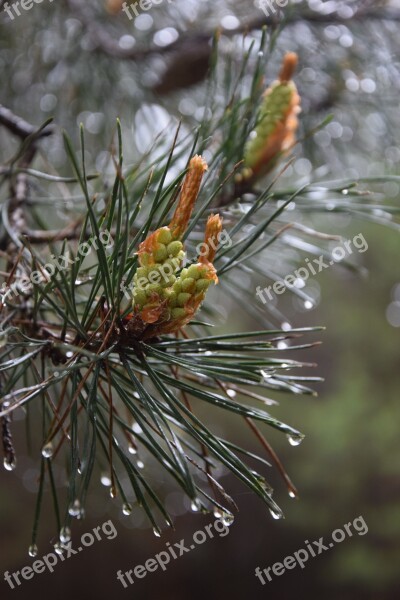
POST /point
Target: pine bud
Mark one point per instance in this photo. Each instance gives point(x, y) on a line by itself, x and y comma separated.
point(164, 299)
point(211, 239)
point(276, 125)
point(188, 197)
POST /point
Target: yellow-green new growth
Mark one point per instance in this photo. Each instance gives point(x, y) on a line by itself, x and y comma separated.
point(277, 123)
point(161, 298)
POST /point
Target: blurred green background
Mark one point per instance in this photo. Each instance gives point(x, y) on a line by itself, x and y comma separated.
point(53, 63)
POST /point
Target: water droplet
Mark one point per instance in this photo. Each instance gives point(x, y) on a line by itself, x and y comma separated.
point(156, 532)
point(65, 535)
point(113, 491)
point(132, 450)
point(292, 494)
point(265, 375)
point(127, 509)
point(140, 464)
point(276, 514)
point(260, 54)
point(47, 450)
point(75, 509)
point(33, 550)
point(295, 439)
point(58, 548)
point(9, 465)
point(196, 505)
point(105, 480)
point(308, 305)
point(217, 513)
point(227, 518)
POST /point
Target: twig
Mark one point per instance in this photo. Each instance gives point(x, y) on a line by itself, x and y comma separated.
point(18, 126)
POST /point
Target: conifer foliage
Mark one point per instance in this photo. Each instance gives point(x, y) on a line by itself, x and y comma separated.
point(111, 337)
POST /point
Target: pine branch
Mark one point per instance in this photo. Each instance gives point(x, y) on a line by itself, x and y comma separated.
point(113, 372)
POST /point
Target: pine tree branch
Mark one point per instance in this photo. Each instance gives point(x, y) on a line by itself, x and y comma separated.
point(19, 127)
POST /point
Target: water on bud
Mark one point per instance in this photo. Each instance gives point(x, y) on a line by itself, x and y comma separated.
point(33, 550)
point(132, 450)
point(9, 465)
point(295, 440)
point(156, 532)
point(292, 494)
point(65, 535)
point(127, 509)
point(113, 491)
point(47, 450)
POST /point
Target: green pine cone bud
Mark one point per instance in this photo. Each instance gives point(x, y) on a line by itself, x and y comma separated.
point(164, 236)
point(274, 109)
point(174, 248)
point(139, 298)
point(183, 298)
point(202, 285)
point(193, 272)
point(154, 276)
point(141, 272)
point(177, 287)
point(153, 288)
point(178, 313)
point(161, 253)
point(188, 284)
point(171, 297)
